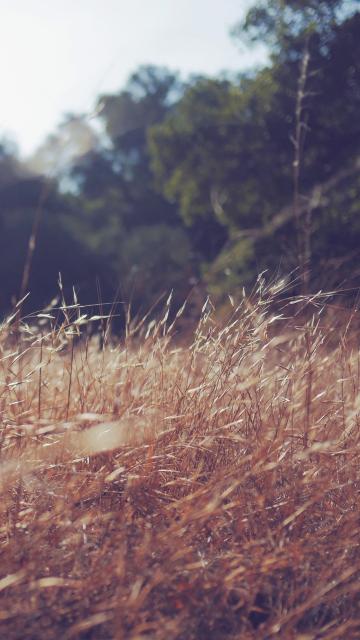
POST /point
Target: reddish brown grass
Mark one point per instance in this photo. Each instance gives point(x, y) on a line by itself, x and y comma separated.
point(206, 491)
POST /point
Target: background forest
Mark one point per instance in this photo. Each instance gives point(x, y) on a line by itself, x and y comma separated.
point(199, 184)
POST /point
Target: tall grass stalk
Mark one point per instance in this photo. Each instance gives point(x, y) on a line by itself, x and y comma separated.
point(190, 491)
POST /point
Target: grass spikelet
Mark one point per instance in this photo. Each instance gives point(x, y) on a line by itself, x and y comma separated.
point(208, 490)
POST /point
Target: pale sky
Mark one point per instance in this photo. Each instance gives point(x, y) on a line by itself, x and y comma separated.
point(56, 56)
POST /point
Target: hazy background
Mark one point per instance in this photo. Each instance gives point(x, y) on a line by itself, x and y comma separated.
point(57, 57)
point(188, 146)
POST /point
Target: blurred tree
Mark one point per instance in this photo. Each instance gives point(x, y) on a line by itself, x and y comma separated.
point(121, 209)
point(181, 173)
point(285, 24)
point(227, 148)
point(73, 138)
point(101, 217)
point(155, 260)
point(56, 247)
point(147, 98)
point(10, 167)
point(208, 155)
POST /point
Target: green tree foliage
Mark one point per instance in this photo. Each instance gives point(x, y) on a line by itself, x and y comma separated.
point(284, 24)
point(209, 156)
point(227, 149)
point(56, 247)
point(153, 261)
point(127, 221)
point(197, 179)
point(73, 138)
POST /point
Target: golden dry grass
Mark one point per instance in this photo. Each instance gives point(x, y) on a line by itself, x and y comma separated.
point(158, 491)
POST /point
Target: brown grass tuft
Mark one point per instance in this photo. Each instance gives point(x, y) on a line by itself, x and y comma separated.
point(204, 491)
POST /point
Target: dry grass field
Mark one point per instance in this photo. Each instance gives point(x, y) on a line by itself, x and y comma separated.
point(157, 490)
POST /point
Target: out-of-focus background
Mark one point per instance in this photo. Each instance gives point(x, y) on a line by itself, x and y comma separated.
point(190, 145)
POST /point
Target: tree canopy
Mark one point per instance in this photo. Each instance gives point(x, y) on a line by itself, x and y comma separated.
point(208, 180)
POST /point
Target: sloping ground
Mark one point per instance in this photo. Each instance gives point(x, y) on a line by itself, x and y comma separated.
point(156, 491)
